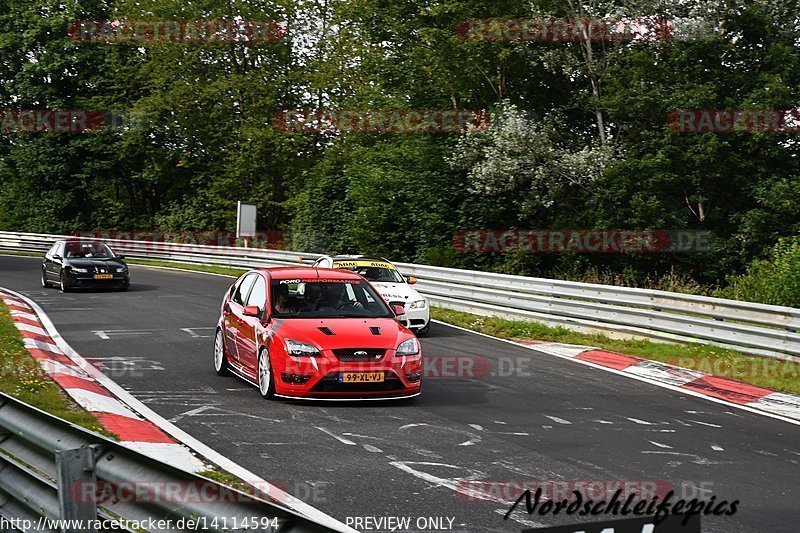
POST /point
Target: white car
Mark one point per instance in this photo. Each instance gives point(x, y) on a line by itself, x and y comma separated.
point(393, 286)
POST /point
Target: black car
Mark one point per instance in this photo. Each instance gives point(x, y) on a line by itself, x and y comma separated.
point(76, 263)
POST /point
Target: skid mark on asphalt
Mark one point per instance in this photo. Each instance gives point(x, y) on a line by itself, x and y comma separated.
point(337, 437)
point(696, 459)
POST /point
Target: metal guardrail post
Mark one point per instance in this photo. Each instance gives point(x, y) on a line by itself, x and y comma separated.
point(77, 484)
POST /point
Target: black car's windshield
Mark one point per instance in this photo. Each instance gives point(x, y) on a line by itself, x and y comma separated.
point(90, 250)
point(326, 298)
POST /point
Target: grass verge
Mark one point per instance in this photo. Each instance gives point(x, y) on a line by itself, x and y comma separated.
point(24, 378)
point(778, 375)
point(228, 271)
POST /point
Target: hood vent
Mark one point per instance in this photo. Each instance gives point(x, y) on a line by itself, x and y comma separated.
point(326, 330)
point(375, 330)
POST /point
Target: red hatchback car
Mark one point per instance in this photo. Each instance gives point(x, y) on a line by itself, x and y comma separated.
point(315, 333)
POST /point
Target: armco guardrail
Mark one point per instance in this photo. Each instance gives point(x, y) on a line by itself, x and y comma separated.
point(53, 470)
point(749, 327)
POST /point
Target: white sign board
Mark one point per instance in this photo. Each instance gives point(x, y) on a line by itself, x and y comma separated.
point(245, 220)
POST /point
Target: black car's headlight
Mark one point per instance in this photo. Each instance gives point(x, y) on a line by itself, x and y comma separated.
point(122, 269)
point(76, 270)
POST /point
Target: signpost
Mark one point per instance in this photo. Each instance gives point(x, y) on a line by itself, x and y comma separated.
point(245, 221)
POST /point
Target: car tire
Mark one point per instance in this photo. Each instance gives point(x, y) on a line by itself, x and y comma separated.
point(266, 379)
point(63, 282)
point(220, 357)
point(45, 283)
point(421, 332)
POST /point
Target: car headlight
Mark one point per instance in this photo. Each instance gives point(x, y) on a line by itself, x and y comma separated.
point(79, 270)
point(122, 269)
point(419, 304)
point(301, 349)
point(408, 347)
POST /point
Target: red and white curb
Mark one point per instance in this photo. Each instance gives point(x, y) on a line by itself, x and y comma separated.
point(779, 405)
point(75, 377)
point(139, 427)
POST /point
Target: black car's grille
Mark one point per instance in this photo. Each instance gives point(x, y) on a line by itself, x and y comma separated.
point(359, 354)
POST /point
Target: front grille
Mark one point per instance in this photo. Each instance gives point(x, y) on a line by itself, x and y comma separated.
point(330, 383)
point(355, 354)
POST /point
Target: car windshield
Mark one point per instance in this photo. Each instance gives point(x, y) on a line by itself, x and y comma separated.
point(378, 271)
point(326, 298)
point(93, 250)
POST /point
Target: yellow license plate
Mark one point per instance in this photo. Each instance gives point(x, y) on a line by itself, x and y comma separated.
point(103, 276)
point(362, 377)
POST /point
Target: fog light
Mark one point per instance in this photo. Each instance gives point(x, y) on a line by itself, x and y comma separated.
point(298, 379)
point(413, 377)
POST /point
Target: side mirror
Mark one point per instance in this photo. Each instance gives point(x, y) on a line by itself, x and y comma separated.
point(251, 310)
point(411, 280)
point(58, 257)
point(120, 256)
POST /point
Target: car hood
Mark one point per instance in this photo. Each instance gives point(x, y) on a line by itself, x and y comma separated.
point(81, 262)
point(397, 292)
point(347, 332)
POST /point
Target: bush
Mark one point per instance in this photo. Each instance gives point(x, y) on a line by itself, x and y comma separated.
point(775, 280)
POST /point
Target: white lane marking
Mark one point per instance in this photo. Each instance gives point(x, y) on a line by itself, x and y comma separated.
point(105, 333)
point(717, 448)
point(195, 335)
point(557, 419)
point(683, 423)
point(680, 390)
point(696, 458)
point(476, 426)
point(512, 433)
point(779, 403)
point(500, 422)
point(654, 443)
point(23, 314)
point(100, 403)
point(174, 454)
point(709, 424)
point(604, 421)
point(662, 372)
point(191, 412)
point(261, 486)
point(470, 442)
point(640, 422)
point(337, 437)
point(55, 367)
point(31, 329)
point(372, 449)
point(41, 345)
point(413, 425)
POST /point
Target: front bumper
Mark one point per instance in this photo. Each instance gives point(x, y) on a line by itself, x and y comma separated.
point(302, 378)
point(88, 280)
point(418, 318)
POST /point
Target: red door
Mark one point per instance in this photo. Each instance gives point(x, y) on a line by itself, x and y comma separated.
point(251, 327)
point(234, 318)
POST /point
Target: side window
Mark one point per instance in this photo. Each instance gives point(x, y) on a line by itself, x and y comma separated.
point(243, 289)
point(59, 249)
point(258, 296)
point(51, 252)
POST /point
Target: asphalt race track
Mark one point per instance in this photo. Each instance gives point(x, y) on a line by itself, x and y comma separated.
point(532, 419)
